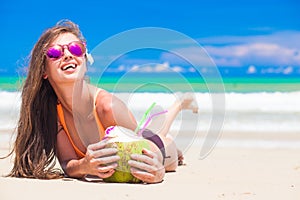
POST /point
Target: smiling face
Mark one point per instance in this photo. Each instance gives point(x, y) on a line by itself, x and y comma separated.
point(68, 68)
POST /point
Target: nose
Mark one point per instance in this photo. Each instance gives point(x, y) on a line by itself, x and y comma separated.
point(67, 54)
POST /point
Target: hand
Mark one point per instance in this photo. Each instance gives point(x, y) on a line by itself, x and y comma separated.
point(147, 167)
point(100, 161)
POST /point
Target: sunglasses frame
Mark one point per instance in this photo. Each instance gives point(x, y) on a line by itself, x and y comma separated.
point(62, 49)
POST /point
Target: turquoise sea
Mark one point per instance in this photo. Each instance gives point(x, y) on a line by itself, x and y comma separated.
point(174, 84)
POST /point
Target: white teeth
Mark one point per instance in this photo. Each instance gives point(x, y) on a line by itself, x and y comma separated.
point(66, 67)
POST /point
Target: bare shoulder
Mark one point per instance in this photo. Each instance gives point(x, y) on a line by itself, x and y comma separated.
point(103, 98)
point(104, 94)
point(98, 91)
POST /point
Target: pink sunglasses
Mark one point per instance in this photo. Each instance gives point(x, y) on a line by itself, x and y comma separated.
point(76, 48)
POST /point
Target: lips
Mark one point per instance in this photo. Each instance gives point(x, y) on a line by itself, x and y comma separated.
point(68, 66)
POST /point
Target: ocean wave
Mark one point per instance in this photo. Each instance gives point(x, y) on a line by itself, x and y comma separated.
point(276, 111)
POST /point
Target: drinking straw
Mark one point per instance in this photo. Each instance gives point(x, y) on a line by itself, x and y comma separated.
point(144, 117)
point(149, 119)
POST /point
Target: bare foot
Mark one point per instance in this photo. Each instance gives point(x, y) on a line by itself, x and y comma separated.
point(189, 102)
point(180, 158)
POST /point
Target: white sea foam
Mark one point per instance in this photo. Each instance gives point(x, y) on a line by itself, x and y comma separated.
point(263, 112)
point(242, 111)
point(9, 110)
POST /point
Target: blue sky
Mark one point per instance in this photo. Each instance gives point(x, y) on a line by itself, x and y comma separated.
point(261, 36)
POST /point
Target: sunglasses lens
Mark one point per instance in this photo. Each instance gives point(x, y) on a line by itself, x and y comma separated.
point(57, 51)
point(54, 52)
point(76, 49)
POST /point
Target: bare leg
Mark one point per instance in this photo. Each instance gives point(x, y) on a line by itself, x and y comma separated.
point(161, 126)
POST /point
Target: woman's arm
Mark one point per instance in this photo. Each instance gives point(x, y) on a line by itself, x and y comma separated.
point(98, 161)
point(67, 157)
point(148, 167)
point(112, 111)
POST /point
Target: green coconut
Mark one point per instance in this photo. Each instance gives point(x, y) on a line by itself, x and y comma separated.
point(126, 145)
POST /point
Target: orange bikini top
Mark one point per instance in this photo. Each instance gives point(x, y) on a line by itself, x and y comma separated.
point(61, 117)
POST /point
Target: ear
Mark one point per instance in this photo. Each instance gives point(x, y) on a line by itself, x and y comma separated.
point(45, 76)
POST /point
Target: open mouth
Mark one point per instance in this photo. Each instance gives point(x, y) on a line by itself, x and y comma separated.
point(67, 67)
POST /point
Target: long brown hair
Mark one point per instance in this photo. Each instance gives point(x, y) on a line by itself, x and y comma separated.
point(35, 145)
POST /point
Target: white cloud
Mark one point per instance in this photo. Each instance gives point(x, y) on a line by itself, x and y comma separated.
point(165, 67)
point(150, 68)
point(254, 53)
point(144, 68)
point(277, 49)
point(178, 69)
point(120, 68)
point(251, 69)
point(278, 70)
point(192, 69)
point(156, 68)
point(288, 70)
point(135, 68)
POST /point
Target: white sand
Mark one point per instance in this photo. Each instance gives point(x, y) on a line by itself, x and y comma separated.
point(227, 173)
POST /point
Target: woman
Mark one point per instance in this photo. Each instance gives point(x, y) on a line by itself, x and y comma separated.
point(48, 118)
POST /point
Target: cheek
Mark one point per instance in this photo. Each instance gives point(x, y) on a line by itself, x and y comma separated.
point(82, 63)
point(81, 60)
point(47, 67)
point(50, 68)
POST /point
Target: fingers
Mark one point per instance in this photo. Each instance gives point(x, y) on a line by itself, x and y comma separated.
point(142, 175)
point(146, 167)
point(98, 145)
point(105, 160)
point(148, 153)
point(103, 152)
point(148, 158)
point(142, 159)
point(106, 174)
point(105, 171)
point(154, 177)
point(143, 166)
point(99, 150)
point(147, 161)
point(101, 161)
point(107, 168)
